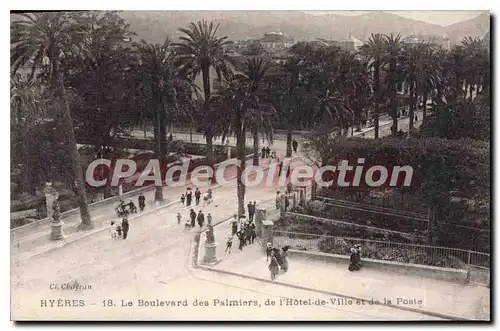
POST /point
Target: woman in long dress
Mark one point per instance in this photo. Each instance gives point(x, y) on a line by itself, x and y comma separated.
point(284, 259)
point(274, 266)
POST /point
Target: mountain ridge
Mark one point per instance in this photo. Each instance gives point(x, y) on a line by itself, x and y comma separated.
point(153, 26)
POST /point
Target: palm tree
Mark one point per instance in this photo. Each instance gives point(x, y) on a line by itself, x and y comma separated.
point(374, 50)
point(474, 49)
point(27, 106)
point(428, 72)
point(261, 115)
point(392, 52)
point(200, 50)
point(44, 38)
point(230, 103)
point(160, 82)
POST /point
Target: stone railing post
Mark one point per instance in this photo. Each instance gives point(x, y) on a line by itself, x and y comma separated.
point(260, 216)
point(314, 188)
point(302, 196)
point(267, 234)
point(283, 204)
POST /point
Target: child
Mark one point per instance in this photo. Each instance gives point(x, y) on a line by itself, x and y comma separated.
point(229, 244)
point(183, 198)
point(179, 217)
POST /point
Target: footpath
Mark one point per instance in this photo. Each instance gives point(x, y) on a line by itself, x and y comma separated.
point(32, 240)
point(442, 299)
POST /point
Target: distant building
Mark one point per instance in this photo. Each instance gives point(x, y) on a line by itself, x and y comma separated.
point(276, 42)
point(433, 40)
point(350, 44)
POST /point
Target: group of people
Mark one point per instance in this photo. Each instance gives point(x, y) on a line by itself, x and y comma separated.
point(246, 234)
point(120, 229)
point(265, 152)
point(187, 198)
point(278, 259)
point(195, 218)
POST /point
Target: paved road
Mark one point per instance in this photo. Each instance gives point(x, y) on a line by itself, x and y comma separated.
point(151, 264)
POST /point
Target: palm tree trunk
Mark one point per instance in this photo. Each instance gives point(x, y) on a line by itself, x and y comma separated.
point(240, 151)
point(255, 134)
point(424, 107)
point(205, 75)
point(159, 145)
point(86, 223)
point(412, 105)
point(377, 98)
point(289, 143)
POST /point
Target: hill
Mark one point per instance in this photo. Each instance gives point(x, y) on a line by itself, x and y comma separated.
point(237, 25)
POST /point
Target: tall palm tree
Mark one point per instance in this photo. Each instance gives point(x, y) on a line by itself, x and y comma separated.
point(374, 50)
point(44, 38)
point(159, 80)
point(428, 72)
point(392, 52)
point(199, 50)
point(474, 49)
point(230, 103)
point(27, 106)
point(261, 114)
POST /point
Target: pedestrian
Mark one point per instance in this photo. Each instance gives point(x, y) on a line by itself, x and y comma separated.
point(250, 211)
point(268, 152)
point(295, 144)
point(253, 234)
point(248, 234)
point(201, 218)
point(229, 244)
point(192, 215)
point(170, 137)
point(197, 195)
point(274, 265)
point(416, 118)
point(234, 225)
point(254, 208)
point(284, 259)
point(278, 200)
point(287, 202)
point(179, 217)
point(189, 197)
point(125, 227)
point(209, 219)
point(142, 201)
point(241, 238)
point(269, 249)
point(183, 198)
point(263, 152)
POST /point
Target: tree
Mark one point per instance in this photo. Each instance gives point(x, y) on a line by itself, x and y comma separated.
point(231, 102)
point(44, 38)
point(254, 49)
point(261, 115)
point(99, 75)
point(199, 50)
point(392, 52)
point(428, 72)
point(167, 94)
point(374, 50)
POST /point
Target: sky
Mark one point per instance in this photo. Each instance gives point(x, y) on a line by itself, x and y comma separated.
point(429, 16)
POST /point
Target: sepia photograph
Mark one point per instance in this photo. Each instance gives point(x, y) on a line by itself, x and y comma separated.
point(250, 165)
